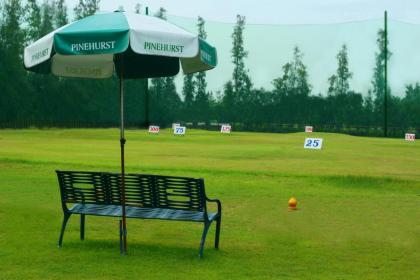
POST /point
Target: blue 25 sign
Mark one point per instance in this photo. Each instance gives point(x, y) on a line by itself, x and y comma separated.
point(313, 143)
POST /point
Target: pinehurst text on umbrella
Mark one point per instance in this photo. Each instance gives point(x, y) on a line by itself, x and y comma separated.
point(163, 47)
point(91, 46)
point(40, 54)
point(205, 56)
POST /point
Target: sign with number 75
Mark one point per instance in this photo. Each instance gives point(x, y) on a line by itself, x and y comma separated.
point(180, 130)
point(313, 143)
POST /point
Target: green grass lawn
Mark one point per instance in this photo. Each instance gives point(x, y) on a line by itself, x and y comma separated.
point(358, 217)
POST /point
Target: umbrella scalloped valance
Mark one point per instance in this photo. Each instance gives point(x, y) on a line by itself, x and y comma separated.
point(95, 46)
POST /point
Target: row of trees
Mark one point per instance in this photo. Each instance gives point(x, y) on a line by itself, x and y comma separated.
point(47, 100)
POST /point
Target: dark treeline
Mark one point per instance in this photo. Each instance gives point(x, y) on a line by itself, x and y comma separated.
point(39, 100)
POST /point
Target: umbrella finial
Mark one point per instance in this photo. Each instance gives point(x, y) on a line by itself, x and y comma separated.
point(120, 9)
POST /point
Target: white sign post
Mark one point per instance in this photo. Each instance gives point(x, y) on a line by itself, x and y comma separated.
point(154, 129)
point(309, 129)
point(226, 128)
point(180, 130)
point(175, 125)
point(410, 137)
point(313, 143)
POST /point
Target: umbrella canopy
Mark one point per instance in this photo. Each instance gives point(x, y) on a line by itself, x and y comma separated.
point(96, 45)
point(130, 45)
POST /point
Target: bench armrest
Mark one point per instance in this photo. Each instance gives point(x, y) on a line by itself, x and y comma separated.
point(219, 204)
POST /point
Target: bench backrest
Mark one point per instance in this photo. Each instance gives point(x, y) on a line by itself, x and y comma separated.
point(141, 190)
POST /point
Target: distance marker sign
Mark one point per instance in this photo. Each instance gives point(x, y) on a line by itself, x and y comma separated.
point(226, 128)
point(313, 143)
point(175, 125)
point(154, 129)
point(180, 130)
point(410, 137)
point(309, 129)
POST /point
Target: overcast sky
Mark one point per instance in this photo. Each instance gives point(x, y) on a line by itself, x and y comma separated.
point(278, 11)
point(274, 27)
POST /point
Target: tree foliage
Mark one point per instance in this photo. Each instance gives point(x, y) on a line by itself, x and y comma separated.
point(240, 78)
point(60, 16)
point(378, 79)
point(202, 98)
point(86, 8)
point(339, 82)
point(294, 81)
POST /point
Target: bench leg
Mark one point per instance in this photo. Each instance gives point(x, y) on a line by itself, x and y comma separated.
point(218, 224)
point(121, 238)
point(82, 226)
point(203, 239)
point(63, 227)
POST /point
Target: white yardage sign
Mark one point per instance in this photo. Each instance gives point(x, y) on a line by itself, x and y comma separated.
point(154, 129)
point(180, 130)
point(309, 128)
point(175, 125)
point(313, 143)
point(226, 128)
point(410, 137)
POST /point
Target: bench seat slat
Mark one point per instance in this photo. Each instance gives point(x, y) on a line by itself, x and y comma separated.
point(143, 213)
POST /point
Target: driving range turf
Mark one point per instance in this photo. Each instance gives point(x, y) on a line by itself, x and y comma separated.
point(358, 200)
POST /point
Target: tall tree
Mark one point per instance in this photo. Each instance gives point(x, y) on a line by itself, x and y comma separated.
point(294, 81)
point(339, 82)
point(12, 75)
point(237, 91)
point(378, 79)
point(369, 107)
point(86, 8)
point(411, 105)
point(33, 20)
point(60, 17)
point(228, 103)
point(48, 14)
point(241, 80)
point(11, 33)
point(292, 89)
point(188, 91)
point(202, 96)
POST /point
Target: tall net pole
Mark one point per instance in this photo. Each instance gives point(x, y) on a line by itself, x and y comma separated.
point(386, 74)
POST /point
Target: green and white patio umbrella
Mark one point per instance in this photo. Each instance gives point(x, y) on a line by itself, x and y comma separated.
point(127, 44)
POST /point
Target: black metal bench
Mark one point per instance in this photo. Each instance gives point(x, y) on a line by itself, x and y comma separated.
point(146, 197)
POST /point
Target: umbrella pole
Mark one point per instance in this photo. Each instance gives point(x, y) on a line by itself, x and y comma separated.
point(123, 230)
point(146, 102)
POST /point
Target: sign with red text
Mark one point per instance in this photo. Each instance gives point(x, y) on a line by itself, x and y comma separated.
point(154, 129)
point(226, 128)
point(180, 130)
point(309, 129)
point(410, 137)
